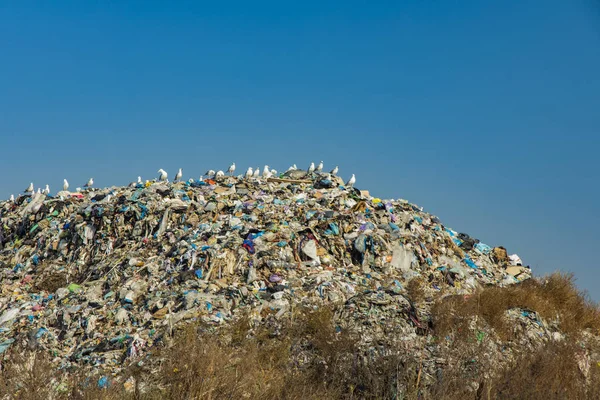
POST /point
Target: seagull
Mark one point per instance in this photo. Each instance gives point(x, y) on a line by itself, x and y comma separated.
point(256, 173)
point(163, 175)
point(266, 173)
point(12, 198)
point(39, 191)
point(274, 172)
point(179, 175)
point(311, 169)
point(65, 185)
point(351, 181)
point(219, 174)
point(334, 171)
point(89, 183)
point(47, 190)
point(29, 188)
point(231, 169)
point(319, 167)
point(140, 180)
point(210, 173)
point(249, 173)
point(292, 168)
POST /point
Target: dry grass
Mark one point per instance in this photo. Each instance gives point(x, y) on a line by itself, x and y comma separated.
point(27, 375)
point(416, 290)
point(555, 298)
point(308, 357)
point(557, 371)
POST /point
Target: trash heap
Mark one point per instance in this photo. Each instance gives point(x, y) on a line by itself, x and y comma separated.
point(102, 275)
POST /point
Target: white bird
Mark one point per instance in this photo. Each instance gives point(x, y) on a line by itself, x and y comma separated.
point(65, 185)
point(219, 174)
point(292, 168)
point(334, 171)
point(89, 183)
point(179, 175)
point(39, 191)
point(266, 173)
point(319, 167)
point(231, 169)
point(351, 181)
point(311, 169)
point(12, 197)
point(210, 173)
point(163, 175)
point(256, 173)
point(46, 190)
point(29, 188)
point(249, 173)
point(273, 172)
point(139, 180)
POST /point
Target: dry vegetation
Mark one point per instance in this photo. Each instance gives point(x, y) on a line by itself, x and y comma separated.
point(554, 298)
point(307, 358)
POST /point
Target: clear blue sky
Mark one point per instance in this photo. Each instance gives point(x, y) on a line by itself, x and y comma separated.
point(487, 113)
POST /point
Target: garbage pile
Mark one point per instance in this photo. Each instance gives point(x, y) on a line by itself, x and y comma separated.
point(100, 276)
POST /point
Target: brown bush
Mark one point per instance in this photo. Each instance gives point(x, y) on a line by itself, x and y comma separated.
point(309, 357)
point(556, 371)
point(416, 290)
point(554, 298)
point(26, 375)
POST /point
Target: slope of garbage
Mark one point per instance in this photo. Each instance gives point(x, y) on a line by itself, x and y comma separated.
point(100, 276)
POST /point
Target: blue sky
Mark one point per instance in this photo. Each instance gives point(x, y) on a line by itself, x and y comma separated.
point(487, 113)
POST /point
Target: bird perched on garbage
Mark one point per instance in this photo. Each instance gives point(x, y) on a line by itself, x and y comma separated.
point(210, 173)
point(29, 188)
point(219, 174)
point(256, 173)
point(266, 173)
point(231, 169)
point(39, 191)
point(248, 173)
point(311, 169)
point(351, 181)
point(273, 172)
point(319, 167)
point(179, 175)
point(334, 171)
point(292, 168)
point(162, 175)
point(65, 185)
point(12, 198)
point(89, 183)
point(46, 190)
point(139, 181)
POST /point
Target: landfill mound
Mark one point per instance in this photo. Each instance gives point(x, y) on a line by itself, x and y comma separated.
point(99, 277)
